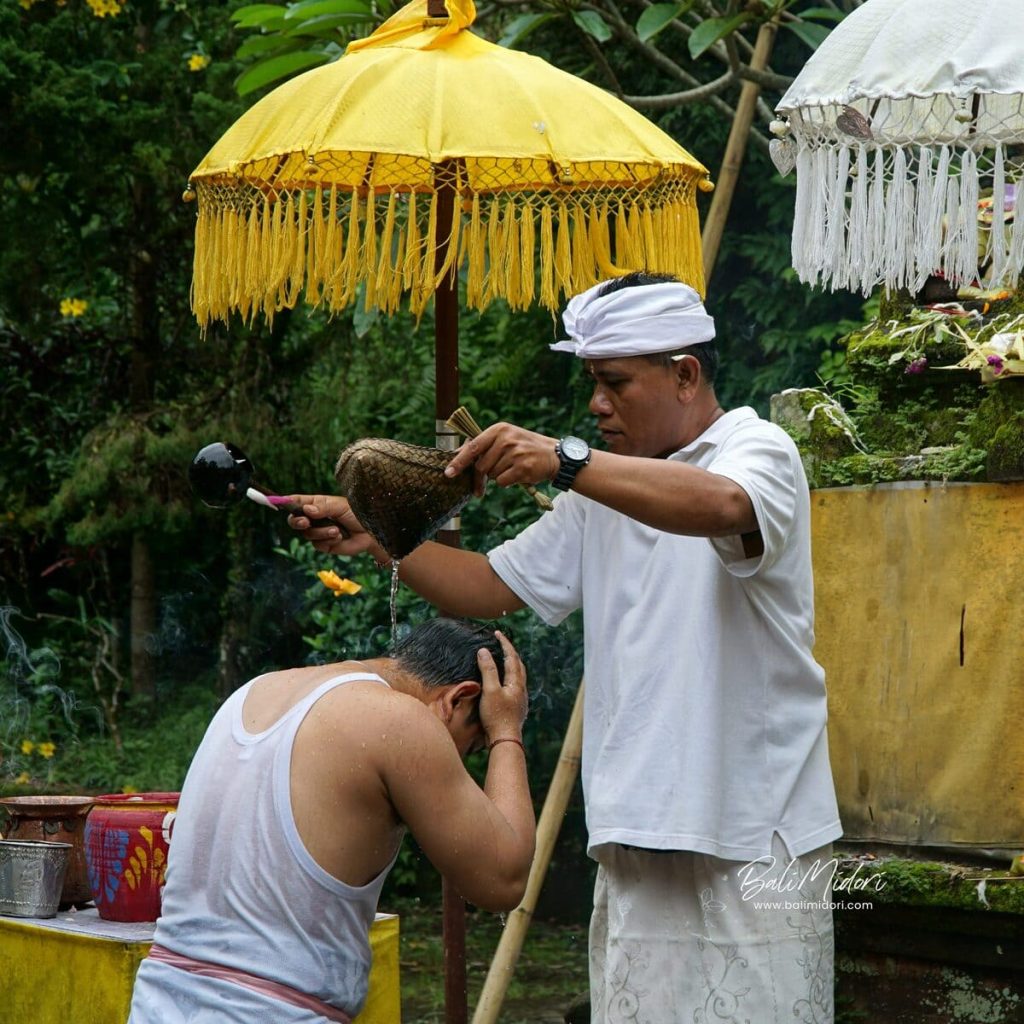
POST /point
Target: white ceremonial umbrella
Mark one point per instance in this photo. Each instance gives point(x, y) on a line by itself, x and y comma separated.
point(909, 115)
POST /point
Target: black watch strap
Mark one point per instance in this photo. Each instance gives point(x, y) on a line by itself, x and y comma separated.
point(568, 466)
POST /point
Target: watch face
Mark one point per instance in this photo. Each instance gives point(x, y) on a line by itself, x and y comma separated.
point(575, 448)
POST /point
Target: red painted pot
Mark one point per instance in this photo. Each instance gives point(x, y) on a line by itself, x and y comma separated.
point(127, 837)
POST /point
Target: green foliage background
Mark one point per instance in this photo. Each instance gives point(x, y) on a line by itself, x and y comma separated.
point(104, 118)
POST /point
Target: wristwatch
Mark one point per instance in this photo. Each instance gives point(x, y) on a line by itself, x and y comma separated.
point(573, 454)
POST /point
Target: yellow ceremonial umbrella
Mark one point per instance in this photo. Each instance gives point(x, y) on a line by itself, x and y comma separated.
point(338, 179)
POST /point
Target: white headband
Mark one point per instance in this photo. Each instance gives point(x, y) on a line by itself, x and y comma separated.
point(636, 321)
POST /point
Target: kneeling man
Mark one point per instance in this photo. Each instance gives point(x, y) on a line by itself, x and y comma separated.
point(293, 811)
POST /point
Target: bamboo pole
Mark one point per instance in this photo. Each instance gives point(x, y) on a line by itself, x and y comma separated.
point(725, 186)
point(500, 973)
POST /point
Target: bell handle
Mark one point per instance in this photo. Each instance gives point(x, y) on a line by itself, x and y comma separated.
point(293, 508)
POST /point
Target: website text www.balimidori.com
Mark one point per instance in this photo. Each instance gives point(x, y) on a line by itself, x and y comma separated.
point(805, 905)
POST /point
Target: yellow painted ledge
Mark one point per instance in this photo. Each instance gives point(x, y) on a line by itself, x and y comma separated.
point(79, 968)
point(918, 606)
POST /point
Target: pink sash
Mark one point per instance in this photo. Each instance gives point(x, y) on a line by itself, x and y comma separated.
point(274, 989)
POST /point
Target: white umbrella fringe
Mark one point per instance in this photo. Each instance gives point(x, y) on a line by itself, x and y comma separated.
point(894, 197)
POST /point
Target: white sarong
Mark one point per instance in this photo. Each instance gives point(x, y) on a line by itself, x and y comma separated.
point(686, 938)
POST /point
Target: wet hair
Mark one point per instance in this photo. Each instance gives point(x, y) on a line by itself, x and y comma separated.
point(706, 353)
point(442, 652)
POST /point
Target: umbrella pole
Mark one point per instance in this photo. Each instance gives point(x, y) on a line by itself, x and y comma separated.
point(446, 401)
point(725, 187)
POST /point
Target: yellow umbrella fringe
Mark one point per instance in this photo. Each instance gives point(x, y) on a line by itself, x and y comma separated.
point(635, 236)
point(241, 297)
point(582, 258)
point(314, 248)
point(600, 243)
point(424, 288)
point(650, 243)
point(563, 255)
point(286, 255)
point(260, 251)
point(333, 248)
point(622, 243)
point(476, 256)
point(265, 256)
point(219, 258)
point(367, 265)
point(412, 245)
point(527, 246)
point(271, 280)
point(231, 251)
point(270, 250)
point(349, 267)
point(393, 298)
point(416, 253)
point(665, 225)
point(252, 253)
point(507, 245)
point(297, 273)
point(204, 300)
point(334, 273)
point(661, 246)
point(548, 291)
point(385, 264)
point(694, 257)
point(514, 289)
point(199, 291)
point(493, 230)
point(451, 256)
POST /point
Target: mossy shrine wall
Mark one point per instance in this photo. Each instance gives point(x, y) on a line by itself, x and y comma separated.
point(918, 513)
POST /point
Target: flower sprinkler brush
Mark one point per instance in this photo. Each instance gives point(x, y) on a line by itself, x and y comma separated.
point(462, 421)
point(222, 475)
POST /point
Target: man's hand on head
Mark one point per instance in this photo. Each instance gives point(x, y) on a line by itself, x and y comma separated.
point(508, 455)
point(503, 702)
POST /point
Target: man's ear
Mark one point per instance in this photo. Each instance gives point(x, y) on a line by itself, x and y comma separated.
point(455, 698)
point(688, 376)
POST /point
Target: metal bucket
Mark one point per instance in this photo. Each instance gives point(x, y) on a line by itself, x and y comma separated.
point(31, 877)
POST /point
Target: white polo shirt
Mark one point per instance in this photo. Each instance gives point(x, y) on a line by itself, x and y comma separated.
point(704, 714)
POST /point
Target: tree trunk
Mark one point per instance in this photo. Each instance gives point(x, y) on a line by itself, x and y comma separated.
point(145, 324)
point(143, 617)
point(236, 660)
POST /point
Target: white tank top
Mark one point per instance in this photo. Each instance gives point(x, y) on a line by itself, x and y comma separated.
point(244, 892)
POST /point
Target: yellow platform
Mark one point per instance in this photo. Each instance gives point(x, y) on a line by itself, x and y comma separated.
point(77, 967)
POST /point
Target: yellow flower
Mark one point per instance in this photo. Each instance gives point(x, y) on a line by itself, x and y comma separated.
point(23, 778)
point(73, 307)
point(198, 61)
point(129, 789)
point(27, 746)
point(46, 750)
point(101, 8)
point(26, 3)
point(334, 582)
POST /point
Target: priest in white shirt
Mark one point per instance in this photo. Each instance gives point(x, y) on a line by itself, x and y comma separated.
point(686, 542)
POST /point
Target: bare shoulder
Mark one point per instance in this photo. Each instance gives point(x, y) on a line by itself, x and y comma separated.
point(380, 713)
